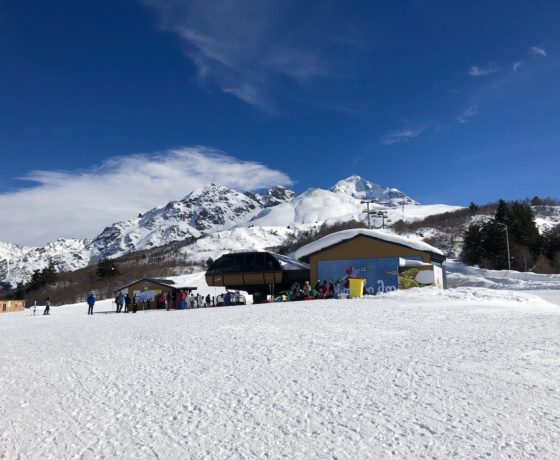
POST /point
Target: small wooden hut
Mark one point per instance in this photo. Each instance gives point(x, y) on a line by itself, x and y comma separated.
point(7, 306)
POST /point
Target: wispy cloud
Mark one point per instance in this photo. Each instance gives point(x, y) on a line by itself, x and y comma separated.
point(402, 135)
point(467, 114)
point(516, 66)
point(477, 71)
point(538, 51)
point(246, 46)
point(78, 204)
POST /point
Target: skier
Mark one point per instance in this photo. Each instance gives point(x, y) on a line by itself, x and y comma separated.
point(134, 304)
point(47, 306)
point(91, 303)
point(127, 300)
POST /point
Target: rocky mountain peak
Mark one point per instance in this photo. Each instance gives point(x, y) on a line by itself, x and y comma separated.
point(362, 189)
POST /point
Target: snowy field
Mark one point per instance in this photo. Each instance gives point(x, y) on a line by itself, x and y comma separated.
point(467, 372)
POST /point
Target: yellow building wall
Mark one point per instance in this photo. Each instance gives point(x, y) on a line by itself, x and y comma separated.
point(363, 247)
point(7, 306)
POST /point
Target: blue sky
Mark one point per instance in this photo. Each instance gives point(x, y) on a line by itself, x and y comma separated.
point(448, 101)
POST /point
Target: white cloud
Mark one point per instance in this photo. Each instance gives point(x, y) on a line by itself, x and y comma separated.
point(402, 135)
point(537, 51)
point(78, 204)
point(516, 66)
point(477, 71)
point(468, 113)
point(246, 46)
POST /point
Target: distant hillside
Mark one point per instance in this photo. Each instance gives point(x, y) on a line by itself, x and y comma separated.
point(446, 230)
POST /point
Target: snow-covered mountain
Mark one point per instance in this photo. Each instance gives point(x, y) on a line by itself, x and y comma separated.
point(362, 189)
point(18, 263)
point(206, 210)
point(216, 219)
point(202, 212)
point(274, 196)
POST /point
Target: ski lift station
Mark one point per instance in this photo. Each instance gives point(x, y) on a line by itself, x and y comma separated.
point(385, 260)
point(146, 289)
point(258, 272)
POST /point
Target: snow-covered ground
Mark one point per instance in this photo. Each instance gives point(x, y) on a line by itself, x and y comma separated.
point(467, 372)
point(464, 275)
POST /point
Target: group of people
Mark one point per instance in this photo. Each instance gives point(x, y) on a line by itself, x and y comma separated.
point(324, 290)
point(167, 301)
point(123, 301)
point(164, 301)
point(233, 298)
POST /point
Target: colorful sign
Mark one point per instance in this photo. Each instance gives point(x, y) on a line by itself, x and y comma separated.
point(143, 296)
point(381, 274)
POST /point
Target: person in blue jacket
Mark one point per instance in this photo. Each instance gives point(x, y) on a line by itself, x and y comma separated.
point(91, 303)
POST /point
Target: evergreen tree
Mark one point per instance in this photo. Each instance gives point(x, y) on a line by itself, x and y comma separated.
point(19, 292)
point(502, 214)
point(42, 278)
point(486, 244)
point(473, 208)
point(48, 274)
point(551, 243)
point(472, 248)
point(494, 245)
point(536, 201)
point(523, 230)
point(106, 268)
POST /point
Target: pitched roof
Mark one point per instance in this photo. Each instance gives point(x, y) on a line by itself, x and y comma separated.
point(344, 235)
point(161, 282)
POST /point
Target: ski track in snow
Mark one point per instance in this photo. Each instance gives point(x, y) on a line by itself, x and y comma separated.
point(466, 373)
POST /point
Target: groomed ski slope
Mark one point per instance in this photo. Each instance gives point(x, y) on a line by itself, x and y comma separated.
point(412, 374)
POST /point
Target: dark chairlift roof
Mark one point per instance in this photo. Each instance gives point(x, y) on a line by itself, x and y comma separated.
point(254, 261)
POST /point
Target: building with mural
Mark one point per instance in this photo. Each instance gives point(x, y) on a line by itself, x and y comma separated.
point(375, 255)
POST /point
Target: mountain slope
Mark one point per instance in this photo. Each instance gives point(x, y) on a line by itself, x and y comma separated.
point(312, 206)
point(217, 219)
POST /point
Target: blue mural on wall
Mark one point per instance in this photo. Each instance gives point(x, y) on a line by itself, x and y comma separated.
point(381, 274)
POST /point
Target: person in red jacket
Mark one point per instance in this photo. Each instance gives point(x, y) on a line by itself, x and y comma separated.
point(181, 297)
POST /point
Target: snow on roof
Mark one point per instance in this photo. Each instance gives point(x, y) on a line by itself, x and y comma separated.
point(338, 237)
point(173, 282)
point(412, 263)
